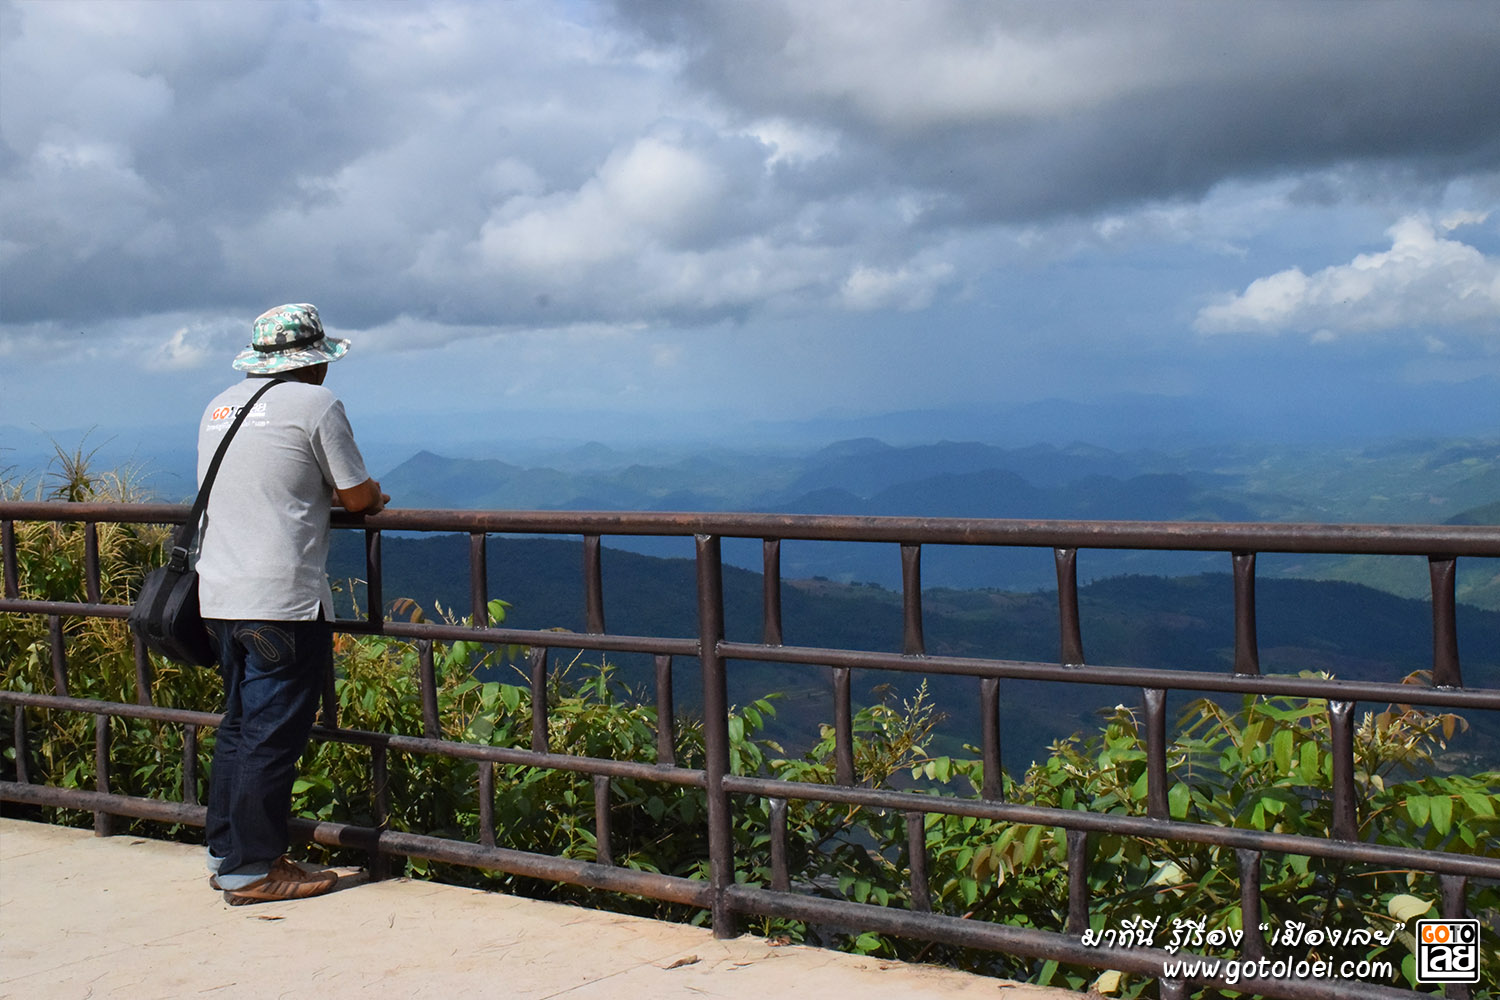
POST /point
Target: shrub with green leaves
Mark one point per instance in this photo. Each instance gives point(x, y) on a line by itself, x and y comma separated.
point(1265, 765)
point(146, 756)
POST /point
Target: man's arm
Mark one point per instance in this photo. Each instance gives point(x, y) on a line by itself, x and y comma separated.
point(365, 498)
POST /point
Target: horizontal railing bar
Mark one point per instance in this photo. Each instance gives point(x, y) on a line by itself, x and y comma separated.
point(666, 774)
point(1031, 942)
point(1351, 539)
point(540, 866)
point(670, 888)
point(125, 710)
point(23, 606)
point(1138, 826)
point(121, 513)
point(412, 630)
point(157, 810)
point(685, 777)
point(551, 638)
point(1441, 544)
point(1187, 680)
point(1263, 684)
point(614, 878)
point(745, 899)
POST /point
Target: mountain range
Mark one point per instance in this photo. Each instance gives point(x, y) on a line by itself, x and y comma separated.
point(1182, 622)
point(1414, 481)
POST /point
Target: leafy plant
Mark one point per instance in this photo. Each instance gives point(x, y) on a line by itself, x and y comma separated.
point(1265, 765)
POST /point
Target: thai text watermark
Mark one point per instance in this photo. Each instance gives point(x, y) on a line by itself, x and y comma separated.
point(1143, 932)
point(1446, 950)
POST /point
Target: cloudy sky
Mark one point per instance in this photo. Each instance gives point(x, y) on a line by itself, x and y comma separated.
point(701, 216)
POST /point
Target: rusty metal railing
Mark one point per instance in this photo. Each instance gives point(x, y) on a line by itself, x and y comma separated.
point(721, 894)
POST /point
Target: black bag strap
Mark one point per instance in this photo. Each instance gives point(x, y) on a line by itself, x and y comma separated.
point(189, 529)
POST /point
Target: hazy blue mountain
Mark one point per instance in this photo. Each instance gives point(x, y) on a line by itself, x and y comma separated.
point(1419, 480)
point(1182, 622)
point(1214, 477)
point(1487, 514)
point(867, 466)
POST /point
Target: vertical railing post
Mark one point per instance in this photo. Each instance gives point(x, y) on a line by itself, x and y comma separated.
point(59, 656)
point(1341, 724)
point(380, 781)
point(843, 728)
point(1445, 670)
point(487, 803)
point(143, 676)
point(1250, 871)
point(538, 663)
point(8, 555)
point(91, 561)
point(1455, 890)
point(666, 713)
point(427, 686)
point(19, 741)
point(781, 879)
point(374, 578)
point(593, 585)
point(1156, 752)
point(603, 852)
point(770, 632)
point(1078, 881)
point(1070, 631)
point(103, 822)
point(479, 580)
point(912, 643)
point(330, 712)
point(916, 852)
point(715, 729)
point(1246, 650)
point(190, 764)
point(993, 783)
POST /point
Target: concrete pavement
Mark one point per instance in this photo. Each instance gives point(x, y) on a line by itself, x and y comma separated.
point(87, 917)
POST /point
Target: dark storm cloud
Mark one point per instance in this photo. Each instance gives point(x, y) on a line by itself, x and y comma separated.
point(213, 155)
point(1014, 111)
point(485, 166)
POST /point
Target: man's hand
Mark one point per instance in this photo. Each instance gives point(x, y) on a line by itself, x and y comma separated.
point(365, 498)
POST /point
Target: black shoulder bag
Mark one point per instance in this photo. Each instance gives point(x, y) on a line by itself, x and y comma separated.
point(166, 615)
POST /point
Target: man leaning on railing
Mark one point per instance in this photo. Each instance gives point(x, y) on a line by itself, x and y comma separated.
point(264, 594)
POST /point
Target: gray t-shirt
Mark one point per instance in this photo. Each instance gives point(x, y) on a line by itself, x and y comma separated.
point(263, 550)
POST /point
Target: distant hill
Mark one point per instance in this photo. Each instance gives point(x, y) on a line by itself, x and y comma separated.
point(1487, 514)
point(1183, 622)
point(1409, 481)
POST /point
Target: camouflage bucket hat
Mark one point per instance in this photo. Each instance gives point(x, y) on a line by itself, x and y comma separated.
point(287, 337)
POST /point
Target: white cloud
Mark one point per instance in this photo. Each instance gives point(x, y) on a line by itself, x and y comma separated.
point(906, 287)
point(536, 183)
point(656, 192)
point(793, 142)
point(181, 351)
point(1460, 219)
point(1423, 280)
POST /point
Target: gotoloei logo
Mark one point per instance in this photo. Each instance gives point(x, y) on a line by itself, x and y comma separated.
point(1448, 951)
point(226, 412)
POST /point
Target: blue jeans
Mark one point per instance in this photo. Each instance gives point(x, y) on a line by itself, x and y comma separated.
point(273, 678)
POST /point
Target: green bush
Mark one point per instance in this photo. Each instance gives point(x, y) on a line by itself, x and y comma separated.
point(1265, 766)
